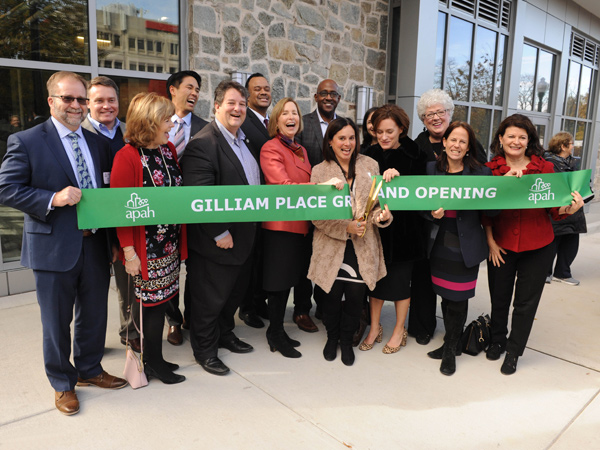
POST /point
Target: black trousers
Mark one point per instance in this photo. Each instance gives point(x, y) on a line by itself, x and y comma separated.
point(154, 324)
point(342, 318)
point(216, 293)
point(565, 248)
point(421, 316)
point(529, 269)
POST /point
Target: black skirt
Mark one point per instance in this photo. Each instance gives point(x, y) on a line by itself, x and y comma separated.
point(286, 257)
point(396, 284)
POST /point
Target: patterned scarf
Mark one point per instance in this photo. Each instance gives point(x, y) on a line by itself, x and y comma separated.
point(292, 145)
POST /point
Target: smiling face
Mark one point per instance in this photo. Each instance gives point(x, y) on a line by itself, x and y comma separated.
point(232, 112)
point(104, 105)
point(370, 127)
point(514, 142)
point(185, 96)
point(162, 133)
point(343, 144)
point(288, 121)
point(457, 144)
point(259, 92)
point(388, 134)
point(327, 98)
point(69, 114)
point(436, 120)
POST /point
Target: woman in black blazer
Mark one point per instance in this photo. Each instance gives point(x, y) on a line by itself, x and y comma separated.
point(457, 242)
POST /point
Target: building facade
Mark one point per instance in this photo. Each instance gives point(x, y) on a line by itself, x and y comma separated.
point(495, 58)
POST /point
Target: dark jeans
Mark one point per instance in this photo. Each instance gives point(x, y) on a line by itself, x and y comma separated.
point(529, 269)
point(565, 249)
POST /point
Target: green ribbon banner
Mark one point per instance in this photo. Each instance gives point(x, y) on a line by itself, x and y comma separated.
point(117, 207)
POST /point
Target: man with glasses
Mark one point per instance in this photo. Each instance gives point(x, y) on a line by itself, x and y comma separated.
point(43, 174)
point(102, 120)
point(311, 138)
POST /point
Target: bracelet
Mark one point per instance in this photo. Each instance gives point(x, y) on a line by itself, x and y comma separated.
point(126, 249)
point(132, 258)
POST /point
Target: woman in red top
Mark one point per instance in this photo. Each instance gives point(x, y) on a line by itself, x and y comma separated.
point(286, 245)
point(152, 254)
point(519, 242)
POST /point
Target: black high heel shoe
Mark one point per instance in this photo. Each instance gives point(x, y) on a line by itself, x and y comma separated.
point(163, 374)
point(280, 344)
point(291, 341)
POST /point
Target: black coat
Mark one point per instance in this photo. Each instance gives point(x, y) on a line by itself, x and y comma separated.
point(574, 223)
point(255, 131)
point(406, 238)
point(471, 236)
point(426, 146)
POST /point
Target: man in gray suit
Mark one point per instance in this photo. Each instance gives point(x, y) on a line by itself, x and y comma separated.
point(311, 138)
point(102, 120)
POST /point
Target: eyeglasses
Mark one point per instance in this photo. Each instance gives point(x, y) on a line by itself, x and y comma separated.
point(441, 114)
point(325, 94)
point(68, 99)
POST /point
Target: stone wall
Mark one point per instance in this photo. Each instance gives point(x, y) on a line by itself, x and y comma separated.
point(296, 44)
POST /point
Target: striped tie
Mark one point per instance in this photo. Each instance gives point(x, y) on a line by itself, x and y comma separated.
point(83, 174)
point(179, 138)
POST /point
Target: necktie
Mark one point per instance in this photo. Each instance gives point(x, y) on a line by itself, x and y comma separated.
point(83, 174)
point(179, 138)
point(266, 123)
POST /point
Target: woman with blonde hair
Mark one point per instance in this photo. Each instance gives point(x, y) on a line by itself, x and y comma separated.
point(152, 254)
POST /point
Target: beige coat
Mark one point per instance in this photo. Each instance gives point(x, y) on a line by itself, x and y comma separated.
point(330, 236)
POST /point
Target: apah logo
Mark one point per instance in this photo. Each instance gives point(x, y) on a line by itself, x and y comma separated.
point(540, 191)
point(138, 208)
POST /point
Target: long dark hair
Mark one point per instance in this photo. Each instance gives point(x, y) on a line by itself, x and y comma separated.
point(335, 126)
point(366, 136)
point(519, 121)
point(470, 158)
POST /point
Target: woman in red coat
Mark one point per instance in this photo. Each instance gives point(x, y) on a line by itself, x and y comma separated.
point(519, 242)
point(152, 254)
point(287, 245)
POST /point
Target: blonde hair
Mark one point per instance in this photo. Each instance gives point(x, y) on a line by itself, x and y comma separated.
point(146, 111)
point(277, 110)
point(56, 77)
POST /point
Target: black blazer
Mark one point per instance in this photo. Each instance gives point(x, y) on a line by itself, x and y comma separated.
point(473, 243)
point(255, 131)
point(209, 161)
point(196, 125)
point(311, 138)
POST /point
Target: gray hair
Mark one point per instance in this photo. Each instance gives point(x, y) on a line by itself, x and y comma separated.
point(434, 97)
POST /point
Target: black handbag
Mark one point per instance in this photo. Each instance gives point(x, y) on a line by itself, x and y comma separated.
point(477, 336)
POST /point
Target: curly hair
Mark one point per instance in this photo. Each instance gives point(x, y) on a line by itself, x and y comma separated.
point(558, 141)
point(434, 97)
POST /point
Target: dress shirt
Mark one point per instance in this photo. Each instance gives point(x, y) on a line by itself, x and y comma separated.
point(324, 124)
point(103, 128)
point(260, 117)
point(63, 133)
point(238, 145)
point(187, 127)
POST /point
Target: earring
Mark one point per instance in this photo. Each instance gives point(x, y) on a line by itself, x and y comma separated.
point(467, 154)
point(500, 145)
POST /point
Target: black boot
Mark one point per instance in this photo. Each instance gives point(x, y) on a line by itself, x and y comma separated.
point(348, 327)
point(437, 353)
point(330, 350)
point(278, 342)
point(448, 366)
point(454, 320)
point(276, 337)
point(332, 325)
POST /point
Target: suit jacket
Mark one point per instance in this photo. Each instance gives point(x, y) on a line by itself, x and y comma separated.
point(329, 243)
point(255, 131)
point(196, 125)
point(209, 161)
point(34, 168)
point(471, 236)
point(281, 166)
point(311, 138)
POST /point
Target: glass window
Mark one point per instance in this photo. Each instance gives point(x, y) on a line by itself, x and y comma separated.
point(543, 88)
point(481, 120)
point(461, 113)
point(439, 51)
point(584, 92)
point(130, 87)
point(483, 68)
point(53, 31)
point(141, 23)
point(458, 61)
point(580, 136)
point(118, 64)
point(132, 66)
point(535, 87)
point(116, 40)
point(500, 70)
point(572, 89)
point(526, 84)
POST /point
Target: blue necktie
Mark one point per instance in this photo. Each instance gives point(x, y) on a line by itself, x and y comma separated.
point(83, 174)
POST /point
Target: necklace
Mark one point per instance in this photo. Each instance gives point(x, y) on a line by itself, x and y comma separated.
point(145, 163)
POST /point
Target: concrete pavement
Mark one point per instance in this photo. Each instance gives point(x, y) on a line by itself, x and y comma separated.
point(398, 401)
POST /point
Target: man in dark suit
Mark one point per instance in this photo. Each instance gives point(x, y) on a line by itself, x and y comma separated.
point(255, 128)
point(311, 138)
point(102, 120)
point(42, 175)
point(220, 255)
point(183, 89)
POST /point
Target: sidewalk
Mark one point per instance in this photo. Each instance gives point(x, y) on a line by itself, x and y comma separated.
point(398, 401)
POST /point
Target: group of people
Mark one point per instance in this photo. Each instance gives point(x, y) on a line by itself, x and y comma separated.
point(349, 267)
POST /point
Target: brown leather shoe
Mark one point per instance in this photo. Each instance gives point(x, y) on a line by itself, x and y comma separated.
point(66, 402)
point(134, 343)
point(305, 323)
point(104, 381)
point(174, 335)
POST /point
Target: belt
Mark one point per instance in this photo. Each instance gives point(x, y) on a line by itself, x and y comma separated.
point(87, 233)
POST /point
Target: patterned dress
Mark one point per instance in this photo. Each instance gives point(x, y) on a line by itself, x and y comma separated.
point(162, 241)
